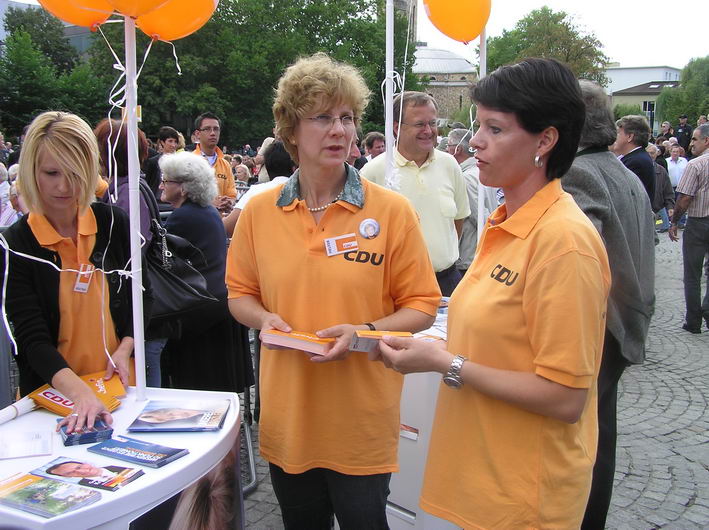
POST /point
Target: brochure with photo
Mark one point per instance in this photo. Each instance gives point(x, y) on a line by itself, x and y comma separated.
point(138, 451)
point(44, 497)
point(84, 473)
point(183, 415)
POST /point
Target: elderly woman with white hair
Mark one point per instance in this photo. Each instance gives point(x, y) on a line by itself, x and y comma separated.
point(203, 358)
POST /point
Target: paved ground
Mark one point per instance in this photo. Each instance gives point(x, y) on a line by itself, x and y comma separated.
point(662, 474)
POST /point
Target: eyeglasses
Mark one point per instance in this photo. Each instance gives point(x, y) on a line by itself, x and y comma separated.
point(325, 121)
point(209, 129)
point(167, 181)
point(422, 124)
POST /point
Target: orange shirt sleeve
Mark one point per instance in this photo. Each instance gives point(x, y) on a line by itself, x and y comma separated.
point(413, 282)
point(241, 269)
point(564, 305)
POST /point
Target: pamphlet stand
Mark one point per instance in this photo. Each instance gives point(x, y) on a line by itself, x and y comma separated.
point(117, 509)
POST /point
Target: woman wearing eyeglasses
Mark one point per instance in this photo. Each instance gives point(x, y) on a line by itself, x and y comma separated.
point(330, 253)
point(212, 351)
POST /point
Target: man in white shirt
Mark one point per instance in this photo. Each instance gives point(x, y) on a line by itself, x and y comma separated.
point(675, 166)
point(432, 180)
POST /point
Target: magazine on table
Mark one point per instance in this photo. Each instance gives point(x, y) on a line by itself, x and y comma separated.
point(43, 496)
point(84, 473)
point(138, 451)
point(183, 415)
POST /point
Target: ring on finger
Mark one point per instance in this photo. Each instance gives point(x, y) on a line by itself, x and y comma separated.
point(74, 414)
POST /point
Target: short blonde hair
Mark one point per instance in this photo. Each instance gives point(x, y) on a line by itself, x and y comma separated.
point(313, 83)
point(72, 143)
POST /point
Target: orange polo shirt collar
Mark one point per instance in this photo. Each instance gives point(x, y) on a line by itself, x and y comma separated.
point(520, 224)
point(46, 234)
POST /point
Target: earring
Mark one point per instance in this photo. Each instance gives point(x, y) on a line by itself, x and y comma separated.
point(538, 162)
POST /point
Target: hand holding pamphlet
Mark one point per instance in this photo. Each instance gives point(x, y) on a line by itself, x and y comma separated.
point(297, 340)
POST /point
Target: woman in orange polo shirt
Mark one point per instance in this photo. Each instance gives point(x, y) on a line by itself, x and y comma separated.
point(514, 438)
point(329, 425)
point(67, 324)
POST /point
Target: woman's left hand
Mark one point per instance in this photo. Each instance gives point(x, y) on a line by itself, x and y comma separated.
point(407, 355)
point(341, 348)
point(121, 358)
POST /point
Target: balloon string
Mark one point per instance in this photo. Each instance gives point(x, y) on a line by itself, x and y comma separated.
point(174, 54)
point(117, 100)
point(125, 272)
point(145, 58)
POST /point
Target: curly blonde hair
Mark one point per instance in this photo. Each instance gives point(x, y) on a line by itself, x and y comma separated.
point(313, 83)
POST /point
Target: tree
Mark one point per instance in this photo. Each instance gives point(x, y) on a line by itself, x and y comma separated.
point(691, 97)
point(627, 109)
point(553, 35)
point(47, 33)
point(27, 82)
point(232, 65)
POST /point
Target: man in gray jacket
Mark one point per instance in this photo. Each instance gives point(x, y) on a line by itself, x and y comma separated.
point(616, 202)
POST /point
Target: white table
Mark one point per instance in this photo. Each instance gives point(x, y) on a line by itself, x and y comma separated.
point(418, 407)
point(117, 509)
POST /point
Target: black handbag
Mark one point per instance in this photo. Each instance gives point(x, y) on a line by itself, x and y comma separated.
point(178, 287)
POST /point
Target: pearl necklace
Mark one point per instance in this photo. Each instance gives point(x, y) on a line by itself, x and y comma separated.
point(323, 208)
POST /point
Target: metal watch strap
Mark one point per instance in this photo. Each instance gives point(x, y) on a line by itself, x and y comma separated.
point(452, 377)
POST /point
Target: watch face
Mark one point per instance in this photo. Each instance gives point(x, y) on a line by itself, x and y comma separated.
point(452, 382)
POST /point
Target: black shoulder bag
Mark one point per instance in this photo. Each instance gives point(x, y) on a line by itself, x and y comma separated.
point(178, 287)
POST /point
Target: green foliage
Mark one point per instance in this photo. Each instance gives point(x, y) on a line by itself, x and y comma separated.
point(691, 97)
point(463, 115)
point(554, 35)
point(232, 65)
point(47, 33)
point(627, 109)
point(27, 82)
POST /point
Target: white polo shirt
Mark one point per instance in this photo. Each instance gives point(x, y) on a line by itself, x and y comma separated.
point(438, 194)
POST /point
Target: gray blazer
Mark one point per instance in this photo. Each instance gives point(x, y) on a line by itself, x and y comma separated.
point(618, 205)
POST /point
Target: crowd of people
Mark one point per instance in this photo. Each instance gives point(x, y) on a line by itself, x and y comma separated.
point(539, 223)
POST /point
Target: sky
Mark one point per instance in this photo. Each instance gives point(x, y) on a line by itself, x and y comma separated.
point(648, 33)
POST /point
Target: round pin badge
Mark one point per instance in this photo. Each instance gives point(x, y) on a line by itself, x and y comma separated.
point(369, 228)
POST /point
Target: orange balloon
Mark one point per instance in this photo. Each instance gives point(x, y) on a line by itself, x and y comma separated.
point(80, 12)
point(135, 8)
point(462, 20)
point(177, 18)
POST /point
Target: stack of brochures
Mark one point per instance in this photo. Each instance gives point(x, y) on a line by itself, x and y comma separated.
point(138, 451)
point(100, 432)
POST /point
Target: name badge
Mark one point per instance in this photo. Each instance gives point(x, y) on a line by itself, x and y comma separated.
point(341, 244)
point(83, 279)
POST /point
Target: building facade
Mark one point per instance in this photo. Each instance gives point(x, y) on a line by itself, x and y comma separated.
point(447, 77)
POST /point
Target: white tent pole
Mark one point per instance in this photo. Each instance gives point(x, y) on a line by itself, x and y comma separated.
point(481, 189)
point(389, 91)
point(134, 205)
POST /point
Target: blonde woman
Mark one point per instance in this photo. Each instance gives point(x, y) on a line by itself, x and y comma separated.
point(63, 322)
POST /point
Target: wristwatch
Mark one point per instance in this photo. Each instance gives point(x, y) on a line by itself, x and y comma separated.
point(452, 377)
